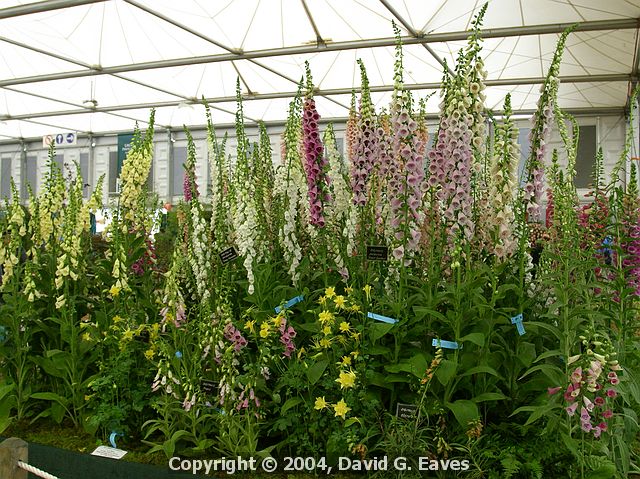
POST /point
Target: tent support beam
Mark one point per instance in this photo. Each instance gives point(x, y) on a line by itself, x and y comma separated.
point(233, 51)
point(39, 7)
point(618, 24)
point(86, 65)
point(325, 92)
point(415, 34)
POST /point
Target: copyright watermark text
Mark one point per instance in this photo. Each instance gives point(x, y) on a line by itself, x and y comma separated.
point(232, 465)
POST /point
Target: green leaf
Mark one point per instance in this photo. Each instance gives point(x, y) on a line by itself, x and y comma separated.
point(549, 354)
point(351, 421)
point(417, 365)
point(552, 329)
point(527, 354)
point(489, 397)
point(378, 330)
point(289, 403)
point(479, 370)
point(314, 373)
point(446, 371)
point(422, 311)
point(606, 470)
point(464, 410)
point(552, 372)
point(475, 338)
point(48, 396)
point(377, 350)
point(536, 412)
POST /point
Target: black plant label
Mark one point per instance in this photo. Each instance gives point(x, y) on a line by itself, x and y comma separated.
point(377, 253)
point(406, 411)
point(228, 255)
point(208, 386)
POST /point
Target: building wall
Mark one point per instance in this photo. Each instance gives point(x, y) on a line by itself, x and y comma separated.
point(170, 150)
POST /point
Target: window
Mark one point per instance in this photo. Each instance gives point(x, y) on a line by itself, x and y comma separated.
point(525, 150)
point(31, 175)
point(113, 171)
point(340, 146)
point(5, 177)
point(84, 173)
point(114, 180)
point(585, 156)
point(59, 160)
point(179, 158)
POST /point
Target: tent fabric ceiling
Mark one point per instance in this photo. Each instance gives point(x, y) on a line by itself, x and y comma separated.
point(98, 66)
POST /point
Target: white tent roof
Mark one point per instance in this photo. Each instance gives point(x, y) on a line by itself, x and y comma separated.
point(98, 66)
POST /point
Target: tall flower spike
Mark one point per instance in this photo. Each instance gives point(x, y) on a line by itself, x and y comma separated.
point(505, 161)
point(290, 183)
point(364, 145)
point(222, 190)
point(190, 186)
point(134, 174)
point(315, 164)
point(451, 159)
point(541, 133)
point(406, 172)
point(198, 250)
point(339, 210)
point(245, 219)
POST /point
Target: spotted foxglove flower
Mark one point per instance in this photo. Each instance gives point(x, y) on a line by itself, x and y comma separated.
point(339, 210)
point(315, 164)
point(134, 174)
point(540, 134)
point(363, 145)
point(291, 188)
point(406, 171)
point(505, 161)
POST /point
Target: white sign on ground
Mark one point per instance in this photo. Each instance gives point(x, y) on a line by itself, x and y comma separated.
point(111, 452)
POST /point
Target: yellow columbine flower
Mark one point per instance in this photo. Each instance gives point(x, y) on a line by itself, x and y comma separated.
point(265, 329)
point(341, 409)
point(367, 291)
point(344, 327)
point(325, 316)
point(356, 336)
point(320, 403)
point(149, 353)
point(86, 337)
point(355, 354)
point(114, 291)
point(339, 300)
point(116, 319)
point(355, 308)
point(330, 292)
point(346, 380)
point(127, 335)
point(325, 343)
point(326, 330)
point(322, 300)
point(251, 326)
point(277, 321)
point(346, 361)
point(348, 290)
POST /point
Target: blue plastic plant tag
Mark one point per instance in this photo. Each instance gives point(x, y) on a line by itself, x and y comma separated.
point(112, 438)
point(384, 319)
point(3, 334)
point(445, 344)
point(517, 320)
point(289, 303)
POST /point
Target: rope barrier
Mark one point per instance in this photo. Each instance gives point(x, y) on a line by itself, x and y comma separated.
point(36, 471)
